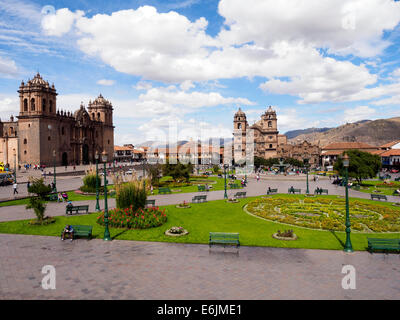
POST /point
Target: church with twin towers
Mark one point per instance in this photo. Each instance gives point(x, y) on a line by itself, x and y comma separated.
point(42, 133)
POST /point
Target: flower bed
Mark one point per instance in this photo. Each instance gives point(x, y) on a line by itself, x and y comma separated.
point(176, 232)
point(130, 219)
point(327, 214)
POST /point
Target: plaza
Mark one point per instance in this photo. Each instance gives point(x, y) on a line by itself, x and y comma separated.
point(122, 269)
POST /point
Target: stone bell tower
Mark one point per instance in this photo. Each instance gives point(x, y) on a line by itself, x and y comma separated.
point(240, 127)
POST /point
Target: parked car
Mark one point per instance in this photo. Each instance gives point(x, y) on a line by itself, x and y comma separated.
point(130, 171)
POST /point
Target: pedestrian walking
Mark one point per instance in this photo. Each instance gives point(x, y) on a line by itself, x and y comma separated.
point(28, 185)
point(15, 186)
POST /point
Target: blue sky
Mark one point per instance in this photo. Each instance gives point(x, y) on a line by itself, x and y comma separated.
point(193, 63)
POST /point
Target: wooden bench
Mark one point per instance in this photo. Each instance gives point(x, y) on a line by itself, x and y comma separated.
point(164, 190)
point(151, 203)
point(81, 231)
point(69, 210)
point(320, 191)
point(240, 195)
point(378, 197)
point(272, 191)
point(53, 197)
point(199, 199)
point(222, 238)
point(375, 244)
point(293, 190)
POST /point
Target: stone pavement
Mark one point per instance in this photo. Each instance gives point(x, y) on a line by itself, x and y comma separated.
point(254, 188)
point(97, 269)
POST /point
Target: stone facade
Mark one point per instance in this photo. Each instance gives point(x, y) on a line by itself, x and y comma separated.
point(42, 131)
point(301, 151)
point(264, 137)
point(263, 134)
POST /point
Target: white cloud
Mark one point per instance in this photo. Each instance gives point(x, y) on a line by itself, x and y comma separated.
point(60, 22)
point(358, 113)
point(7, 67)
point(9, 105)
point(105, 82)
point(342, 26)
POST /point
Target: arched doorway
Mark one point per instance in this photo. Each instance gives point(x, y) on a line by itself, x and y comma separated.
point(85, 154)
point(65, 159)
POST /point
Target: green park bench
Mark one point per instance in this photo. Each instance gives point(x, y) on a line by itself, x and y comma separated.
point(53, 197)
point(293, 190)
point(378, 197)
point(222, 238)
point(375, 244)
point(201, 188)
point(397, 179)
point(199, 199)
point(234, 186)
point(81, 231)
point(164, 190)
point(69, 210)
point(321, 191)
point(272, 191)
point(395, 193)
point(240, 195)
point(151, 203)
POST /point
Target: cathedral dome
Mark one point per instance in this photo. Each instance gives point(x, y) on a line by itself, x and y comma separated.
point(240, 113)
point(38, 81)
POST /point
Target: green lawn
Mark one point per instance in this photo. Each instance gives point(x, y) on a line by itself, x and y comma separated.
point(372, 185)
point(215, 182)
point(213, 216)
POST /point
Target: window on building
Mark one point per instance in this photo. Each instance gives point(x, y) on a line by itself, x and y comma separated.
point(51, 106)
point(25, 104)
point(49, 138)
point(32, 104)
point(44, 105)
point(98, 116)
point(270, 146)
point(239, 126)
point(269, 124)
point(25, 141)
point(25, 152)
point(62, 131)
point(11, 131)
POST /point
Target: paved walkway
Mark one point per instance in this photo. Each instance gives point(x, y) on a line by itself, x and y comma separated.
point(146, 270)
point(254, 188)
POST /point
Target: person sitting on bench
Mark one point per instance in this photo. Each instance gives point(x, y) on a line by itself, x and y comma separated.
point(69, 204)
point(68, 230)
point(65, 196)
point(60, 198)
point(397, 191)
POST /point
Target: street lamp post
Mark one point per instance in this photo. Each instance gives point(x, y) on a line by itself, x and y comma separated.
point(55, 181)
point(107, 236)
point(306, 165)
point(144, 174)
point(97, 181)
point(347, 247)
point(225, 194)
point(15, 166)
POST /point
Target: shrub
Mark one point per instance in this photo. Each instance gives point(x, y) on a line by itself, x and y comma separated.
point(134, 219)
point(37, 203)
point(131, 194)
point(39, 188)
point(89, 183)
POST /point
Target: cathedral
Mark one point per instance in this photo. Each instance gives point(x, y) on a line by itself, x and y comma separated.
point(44, 134)
point(266, 137)
point(264, 140)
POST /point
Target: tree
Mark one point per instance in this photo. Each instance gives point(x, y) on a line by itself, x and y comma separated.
point(155, 171)
point(362, 165)
point(178, 171)
point(37, 203)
